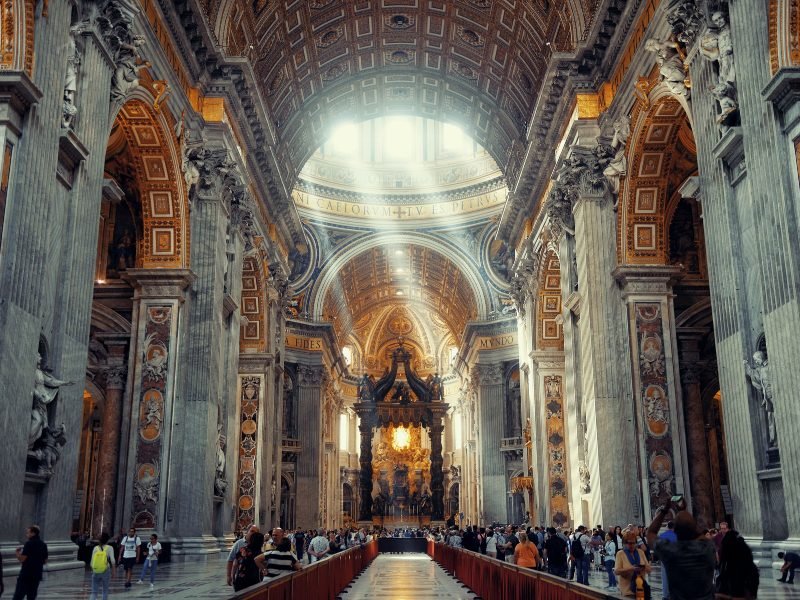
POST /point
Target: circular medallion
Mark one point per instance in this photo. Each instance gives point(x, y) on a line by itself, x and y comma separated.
point(249, 427)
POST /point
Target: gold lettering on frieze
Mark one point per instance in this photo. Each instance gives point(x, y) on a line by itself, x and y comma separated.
point(409, 212)
point(497, 341)
point(297, 342)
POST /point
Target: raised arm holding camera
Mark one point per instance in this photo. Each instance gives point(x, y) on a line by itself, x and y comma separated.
point(690, 561)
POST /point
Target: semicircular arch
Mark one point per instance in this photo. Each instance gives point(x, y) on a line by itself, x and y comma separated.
point(165, 207)
point(457, 256)
point(660, 143)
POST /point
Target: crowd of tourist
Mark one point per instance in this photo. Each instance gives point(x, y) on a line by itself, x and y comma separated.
point(694, 563)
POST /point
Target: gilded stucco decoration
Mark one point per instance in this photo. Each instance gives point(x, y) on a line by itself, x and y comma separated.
point(661, 155)
point(329, 53)
point(418, 278)
point(165, 238)
point(16, 35)
point(549, 332)
point(254, 326)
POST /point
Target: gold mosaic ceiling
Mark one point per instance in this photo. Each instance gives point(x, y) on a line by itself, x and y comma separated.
point(476, 62)
point(400, 275)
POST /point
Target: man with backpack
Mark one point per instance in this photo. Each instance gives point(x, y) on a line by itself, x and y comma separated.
point(102, 563)
point(579, 554)
point(130, 550)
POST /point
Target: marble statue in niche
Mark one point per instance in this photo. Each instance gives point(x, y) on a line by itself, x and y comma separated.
point(48, 449)
point(45, 390)
point(71, 79)
point(220, 483)
point(759, 375)
point(670, 64)
point(617, 168)
point(717, 46)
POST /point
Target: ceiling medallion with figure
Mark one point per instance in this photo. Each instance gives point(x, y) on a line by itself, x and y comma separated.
point(400, 324)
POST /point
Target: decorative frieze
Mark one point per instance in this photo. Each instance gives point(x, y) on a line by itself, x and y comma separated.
point(250, 396)
point(151, 413)
point(556, 450)
point(487, 375)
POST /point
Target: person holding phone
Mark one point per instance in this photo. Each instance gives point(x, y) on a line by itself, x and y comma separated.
point(631, 567)
point(690, 560)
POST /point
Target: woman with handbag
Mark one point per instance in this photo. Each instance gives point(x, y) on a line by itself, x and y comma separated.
point(631, 567)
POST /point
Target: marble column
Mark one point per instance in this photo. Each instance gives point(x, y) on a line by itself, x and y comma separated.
point(148, 466)
point(606, 403)
point(488, 381)
point(702, 494)
point(365, 475)
point(105, 490)
point(647, 291)
point(437, 478)
point(203, 401)
point(35, 218)
point(311, 381)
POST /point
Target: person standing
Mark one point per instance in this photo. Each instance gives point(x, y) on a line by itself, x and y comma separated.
point(279, 561)
point(555, 551)
point(300, 544)
point(245, 569)
point(525, 552)
point(237, 546)
point(631, 566)
point(491, 543)
point(319, 546)
point(33, 556)
point(151, 562)
point(738, 574)
point(609, 558)
point(690, 561)
point(102, 563)
point(579, 553)
point(130, 551)
point(670, 537)
point(791, 561)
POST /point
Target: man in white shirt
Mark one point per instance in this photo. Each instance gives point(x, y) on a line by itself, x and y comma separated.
point(319, 546)
point(130, 550)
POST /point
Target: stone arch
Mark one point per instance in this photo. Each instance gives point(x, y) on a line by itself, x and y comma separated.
point(254, 310)
point(549, 332)
point(784, 34)
point(327, 276)
point(150, 138)
point(660, 145)
point(16, 36)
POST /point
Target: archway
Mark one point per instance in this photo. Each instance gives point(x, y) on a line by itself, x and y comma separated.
point(143, 224)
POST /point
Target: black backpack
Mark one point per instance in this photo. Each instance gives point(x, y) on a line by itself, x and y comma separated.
point(576, 548)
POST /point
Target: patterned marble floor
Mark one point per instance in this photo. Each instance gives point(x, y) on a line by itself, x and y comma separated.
point(405, 577)
point(409, 576)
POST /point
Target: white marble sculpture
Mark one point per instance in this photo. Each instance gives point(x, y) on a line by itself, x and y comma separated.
point(759, 375)
point(670, 64)
point(618, 167)
point(45, 390)
point(717, 46)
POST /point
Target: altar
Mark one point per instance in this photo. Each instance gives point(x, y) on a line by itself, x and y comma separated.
point(401, 481)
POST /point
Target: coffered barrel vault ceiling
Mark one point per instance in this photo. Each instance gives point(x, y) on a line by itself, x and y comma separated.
point(408, 275)
point(479, 63)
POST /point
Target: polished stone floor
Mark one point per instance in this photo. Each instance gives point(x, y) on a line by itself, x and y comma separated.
point(391, 576)
point(406, 577)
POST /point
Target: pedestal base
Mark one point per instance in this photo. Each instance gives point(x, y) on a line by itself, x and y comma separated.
point(194, 548)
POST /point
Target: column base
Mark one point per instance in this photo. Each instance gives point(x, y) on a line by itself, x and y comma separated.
point(226, 541)
point(193, 548)
point(62, 556)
